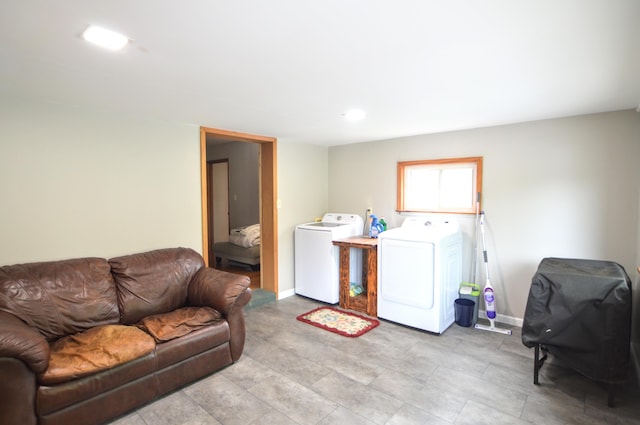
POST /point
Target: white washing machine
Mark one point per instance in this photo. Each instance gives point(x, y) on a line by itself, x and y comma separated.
point(317, 261)
point(419, 272)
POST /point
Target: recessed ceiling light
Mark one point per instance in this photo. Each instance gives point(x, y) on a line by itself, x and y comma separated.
point(355, 114)
point(105, 38)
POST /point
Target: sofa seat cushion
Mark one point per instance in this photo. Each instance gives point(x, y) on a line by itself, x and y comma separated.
point(179, 349)
point(94, 350)
point(180, 322)
point(51, 398)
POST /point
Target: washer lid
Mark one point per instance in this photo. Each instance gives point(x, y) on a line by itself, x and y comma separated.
point(350, 223)
point(323, 224)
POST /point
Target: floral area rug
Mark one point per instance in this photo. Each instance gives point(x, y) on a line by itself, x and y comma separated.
point(338, 321)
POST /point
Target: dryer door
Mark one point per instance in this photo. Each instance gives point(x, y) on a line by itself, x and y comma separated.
point(406, 274)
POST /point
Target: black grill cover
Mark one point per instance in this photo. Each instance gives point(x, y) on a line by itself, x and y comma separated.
point(580, 311)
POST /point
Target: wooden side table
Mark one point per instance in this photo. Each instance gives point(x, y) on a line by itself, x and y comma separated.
point(367, 302)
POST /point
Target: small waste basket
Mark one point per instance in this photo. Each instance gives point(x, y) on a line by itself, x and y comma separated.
point(471, 291)
point(464, 312)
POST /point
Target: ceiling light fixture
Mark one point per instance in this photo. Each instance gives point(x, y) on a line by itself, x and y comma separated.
point(355, 114)
point(105, 38)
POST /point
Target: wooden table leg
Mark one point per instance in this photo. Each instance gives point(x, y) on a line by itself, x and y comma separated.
point(372, 283)
point(344, 277)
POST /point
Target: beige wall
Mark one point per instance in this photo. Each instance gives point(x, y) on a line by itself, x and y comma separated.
point(76, 182)
point(303, 191)
point(565, 187)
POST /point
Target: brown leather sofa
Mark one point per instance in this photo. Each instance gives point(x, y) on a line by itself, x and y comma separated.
point(85, 340)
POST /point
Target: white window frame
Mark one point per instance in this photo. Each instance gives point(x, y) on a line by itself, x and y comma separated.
point(467, 193)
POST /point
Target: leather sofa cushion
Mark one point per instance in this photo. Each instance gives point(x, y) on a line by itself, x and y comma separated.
point(153, 282)
point(60, 298)
point(51, 398)
point(180, 322)
point(180, 349)
point(92, 351)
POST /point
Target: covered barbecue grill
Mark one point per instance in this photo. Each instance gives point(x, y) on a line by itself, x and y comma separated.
point(580, 312)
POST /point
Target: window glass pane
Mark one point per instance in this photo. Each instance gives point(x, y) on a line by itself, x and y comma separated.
point(443, 185)
point(456, 189)
point(423, 191)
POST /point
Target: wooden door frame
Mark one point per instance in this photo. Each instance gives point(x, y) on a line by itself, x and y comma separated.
point(268, 200)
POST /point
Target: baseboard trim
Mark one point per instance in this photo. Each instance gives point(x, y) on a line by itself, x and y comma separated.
point(501, 318)
point(286, 294)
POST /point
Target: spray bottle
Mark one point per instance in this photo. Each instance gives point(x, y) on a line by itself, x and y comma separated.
point(376, 227)
point(490, 302)
point(367, 222)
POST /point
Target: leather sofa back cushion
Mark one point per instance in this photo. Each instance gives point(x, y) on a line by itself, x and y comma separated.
point(168, 326)
point(153, 282)
point(92, 351)
point(60, 298)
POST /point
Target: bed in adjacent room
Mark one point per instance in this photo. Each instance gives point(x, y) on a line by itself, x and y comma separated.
point(243, 247)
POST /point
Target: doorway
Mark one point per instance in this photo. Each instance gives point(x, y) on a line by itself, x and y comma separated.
point(268, 197)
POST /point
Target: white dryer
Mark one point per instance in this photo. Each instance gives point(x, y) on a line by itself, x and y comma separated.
point(419, 272)
point(317, 262)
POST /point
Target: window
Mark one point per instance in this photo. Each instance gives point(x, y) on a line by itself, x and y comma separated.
point(441, 185)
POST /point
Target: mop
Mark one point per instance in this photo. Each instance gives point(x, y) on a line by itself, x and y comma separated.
point(489, 296)
point(475, 240)
point(470, 288)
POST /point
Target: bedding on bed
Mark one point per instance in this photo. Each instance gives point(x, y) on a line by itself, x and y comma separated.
point(248, 236)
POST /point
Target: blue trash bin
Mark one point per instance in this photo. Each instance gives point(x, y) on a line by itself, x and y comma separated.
point(464, 311)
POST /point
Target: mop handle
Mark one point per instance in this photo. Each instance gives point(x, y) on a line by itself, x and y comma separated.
point(484, 245)
point(474, 261)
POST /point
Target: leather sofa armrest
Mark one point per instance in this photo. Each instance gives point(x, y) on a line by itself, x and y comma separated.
point(22, 342)
point(18, 391)
point(218, 289)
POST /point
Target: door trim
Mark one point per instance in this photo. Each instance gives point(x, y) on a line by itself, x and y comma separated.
point(268, 200)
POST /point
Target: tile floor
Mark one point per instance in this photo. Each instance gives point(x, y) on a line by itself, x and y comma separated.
point(294, 373)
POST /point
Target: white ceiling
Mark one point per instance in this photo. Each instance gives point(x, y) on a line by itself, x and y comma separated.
point(290, 68)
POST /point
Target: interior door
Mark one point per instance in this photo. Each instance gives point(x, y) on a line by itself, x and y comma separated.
point(219, 202)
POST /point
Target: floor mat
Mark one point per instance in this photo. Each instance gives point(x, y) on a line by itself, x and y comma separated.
point(339, 321)
point(260, 297)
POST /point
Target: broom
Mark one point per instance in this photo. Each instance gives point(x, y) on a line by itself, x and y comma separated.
point(489, 295)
